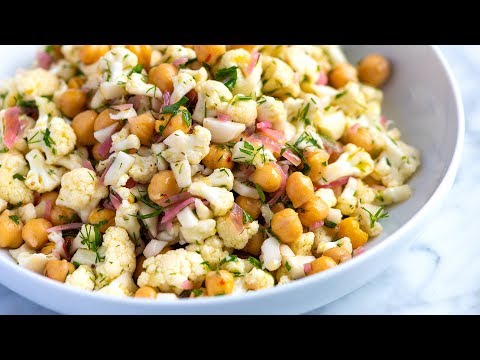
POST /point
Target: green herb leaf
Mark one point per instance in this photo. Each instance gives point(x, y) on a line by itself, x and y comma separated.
point(19, 177)
point(260, 193)
point(47, 139)
point(247, 218)
point(227, 76)
point(380, 214)
point(15, 219)
point(329, 224)
point(174, 108)
point(238, 98)
point(288, 266)
point(197, 292)
point(255, 262)
point(207, 264)
point(228, 258)
point(136, 69)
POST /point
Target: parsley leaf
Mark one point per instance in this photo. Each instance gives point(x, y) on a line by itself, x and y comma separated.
point(227, 76)
point(288, 266)
point(247, 218)
point(330, 224)
point(15, 219)
point(174, 109)
point(19, 177)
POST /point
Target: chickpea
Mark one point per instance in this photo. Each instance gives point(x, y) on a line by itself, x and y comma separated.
point(249, 205)
point(47, 249)
point(10, 230)
point(143, 126)
point(338, 254)
point(209, 53)
point(96, 155)
point(362, 137)
point(168, 124)
point(104, 120)
point(35, 234)
point(350, 228)
point(254, 244)
point(71, 102)
point(287, 226)
point(341, 75)
point(277, 208)
point(62, 215)
point(163, 184)
point(146, 292)
point(82, 125)
point(218, 157)
point(268, 177)
point(374, 70)
point(106, 216)
point(143, 52)
point(76, 82)
point(48, 196)
point(299, 189)
point(90, 54)
point(314, 210)
point(58, 269)
point(321, 264)
point(219, 282)
point(139, 267)
point(161, 76)
point(317, 161)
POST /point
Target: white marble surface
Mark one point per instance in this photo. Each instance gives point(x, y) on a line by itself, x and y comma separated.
point(439, 273)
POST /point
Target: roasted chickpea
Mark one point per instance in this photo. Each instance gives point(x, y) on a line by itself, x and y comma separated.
point(317, 161)
point(48, 196)
point(277, 208)
point(58, 269)
point(62, 215)
point(362, 137)
point(249, 205)
point(321, 264)
point(341, 75)
point(287, 226)
point(96, 155)
point(82, 125)
point(299, 189)
point(48, 248)
point(104, 216)
point(103, 120)
point(218, 157)
point(209, 53)
point(161, 76)
point(71, 102)
point(143, 52)
point(139, 267)
point(35, 234)
point(146, 292)
point(143, 126)
point(167, 124)
point(268, 177)
point(350, 228)
point(219, 282)
point(338, 254)
point(90, 54)
point(76, 82)
point(314, 210)
point(10, 230)
point(254, 244)
point(374, 70)
point(163, 184)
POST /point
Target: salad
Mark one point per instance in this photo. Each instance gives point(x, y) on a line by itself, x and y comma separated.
point(168, 171)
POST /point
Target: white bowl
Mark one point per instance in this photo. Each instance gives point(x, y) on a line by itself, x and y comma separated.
point(424, 100)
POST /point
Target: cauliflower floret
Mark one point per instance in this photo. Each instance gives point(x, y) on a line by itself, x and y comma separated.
point(213, 98)
point(328, 196)
point(278, 78)
point(243, 189)
point(201, 231)
point(354, 161)
point(42, 177)
point(176, 52)
point(55, 138)
point(116, 64)
point(182, 84)
point(271, 256)
point(182, 173)
point(143, 168)
point(125, 218)
point(351, 100)
point(233, 264)
point(81, 190)
point(231, 235)
point(300, 58)
point(193, 147)
point(223, 131)
point(220, 199)
point(222, 177)
point(335, 54)
point(119, 256)
point(242, 110)
point(13, 169)
point(3, 205)
point(334, 216)
point(254, 154)
point(168, 272)
point(123, 140)
point(35, 82)
point(117, 174)
point(121, 286)
point(307, 139)
point(137, 85)
point(258, 279)
point(347, 202)
point(203, 212)
point(82, 278)
point(331, 123)
point(27, 212)
point(345, 243)
point(364, 194)
point(303, 245)
point(197, 75)
point(74, 160)
point(321, 237)
point(157, 151)
point(364, 214)
point(284, 280)
point(34, 262)
point(211, 250)
point(295, 268)
point(272, 110)
point(170, 235)
point(14, 253)
point(393, 195)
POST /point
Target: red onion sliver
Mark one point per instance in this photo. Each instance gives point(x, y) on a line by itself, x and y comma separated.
point(224, 117)
point(44, 60)
point(63, 227)
point(87, 164)
point(180, 61)
point(12, 125)
point(322, 79)
point(104, 148)
point(174, 199)
point(358, 251)
point(316, 225)
point(187, 285)
point(130, 183)
point(273, 134)
point(166, 100)
point(253, 61)
point(107, 204)
point(383, 121)
point(174, 210)
point(122, 107)
point(277, 194)
point(48, 209)
point(236, 214)
point(307, 268)
point(354, 128)
point(264, 124)
point(116, 202)
point(340, 182)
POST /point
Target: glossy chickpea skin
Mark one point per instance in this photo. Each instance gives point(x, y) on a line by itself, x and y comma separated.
point(254, 244)
point(218, 157)
point(72, 102)
point(62, 215)
point(48, 196)
point(58, 269)
point(338, 254)
point(374, 70)
point(219, 282)
point(318, 162)
point(350, 228)
point(277, 208)
point(362, 137)
point(35, 234)
point(11, 230)
point(299, 189)
point(82, 125)
point(48, 248)
point(209, 53)
point(143, 52)
point(268, 177)
point(163, 184)
point(321, 264)
point(341, 75)
point(168, 124)
point(249, 205)
point(76, 82)
point(287, 226)
point(161, 76)
point(103, 120)
point(90, 54)
point(104, 216)
point(143, 126)
point(146, 292)
point(314, 210)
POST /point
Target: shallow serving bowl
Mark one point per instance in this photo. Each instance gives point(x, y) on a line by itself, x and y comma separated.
point(425, 103)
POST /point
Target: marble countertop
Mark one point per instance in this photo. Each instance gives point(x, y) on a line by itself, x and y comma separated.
point(435, 275)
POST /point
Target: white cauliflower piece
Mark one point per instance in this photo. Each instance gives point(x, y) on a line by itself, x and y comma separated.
point(35, 82)
point(81, 190)
point(198, 75)
point(121, 286)
point(354, 161)
point(117, 174)
point(351, 100)
point(143, 169)
point(182, 173)
point(74, 160)
point(119, 256)
point(202, 210)
point(34, 262)
point(223, 131)
point(242, 110)
point(284, 280)
point(14, 253)
point(343, 243)
point(331, 123)
point(136, 85)
point(258, 279)
point(334, 216)
point(272, 110)
point(125, 217)
point(295, 268)
point(222, 177)
point(303, 245)
point(116, 64)
point(193, 147)
point(254, 154)
point(123, 140)
point(168, 272)
point(182, 84)
point(328, 196)
point(233, 264)
point(42, 177)
point(213, 97)
point(176, 52)
point(335, 54)
point(307, 139)
point(271, 256)
point(27, 212)
point(347, 202)
point(82, 278)
point(364, 214)
point(3, 205)
point(201, 231)
point(231, 235)
point(211, 250)
point(12, 188)
point(245, 190)
point(157, 151)
point(220, 199)
point(170, 235)
point(393, 195)
point(278, 78)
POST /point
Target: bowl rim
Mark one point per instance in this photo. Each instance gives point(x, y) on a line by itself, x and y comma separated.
point(46, 284)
